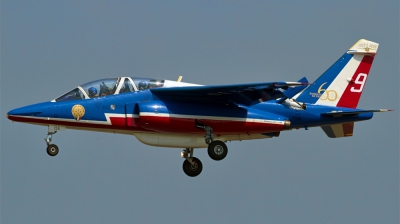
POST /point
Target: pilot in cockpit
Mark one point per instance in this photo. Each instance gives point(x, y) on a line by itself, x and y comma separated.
point(104, 90)
point(143, 85)
point(125, 88)
point(92, 92)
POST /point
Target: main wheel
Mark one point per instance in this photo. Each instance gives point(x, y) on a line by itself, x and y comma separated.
point(192, 170)
point(217, 150)
point(52, 150)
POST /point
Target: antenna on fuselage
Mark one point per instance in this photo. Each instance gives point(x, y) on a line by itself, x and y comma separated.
point(179, 78)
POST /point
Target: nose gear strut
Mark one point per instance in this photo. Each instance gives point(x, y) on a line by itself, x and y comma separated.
point(48, 138)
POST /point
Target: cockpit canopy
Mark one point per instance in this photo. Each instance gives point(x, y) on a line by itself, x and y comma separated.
point(110, 86)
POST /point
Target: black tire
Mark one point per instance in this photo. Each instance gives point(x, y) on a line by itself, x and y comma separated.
point(52, 150)
point(217, 150)
point(192, 170)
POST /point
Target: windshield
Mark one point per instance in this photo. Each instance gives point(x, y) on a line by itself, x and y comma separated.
point(75, 94)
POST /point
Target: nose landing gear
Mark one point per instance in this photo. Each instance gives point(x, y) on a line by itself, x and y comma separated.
point(192, 166)
point(52, 149)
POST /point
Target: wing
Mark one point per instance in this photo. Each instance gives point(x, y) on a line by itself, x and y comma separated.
point(246, 94)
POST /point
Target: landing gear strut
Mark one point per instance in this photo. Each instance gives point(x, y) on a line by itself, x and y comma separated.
point(209, 132)
point(51, 149)
point(217, 150)
point(192, 166)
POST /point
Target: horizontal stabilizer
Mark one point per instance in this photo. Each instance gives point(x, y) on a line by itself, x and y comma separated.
point(355, 112)
point(339, 130)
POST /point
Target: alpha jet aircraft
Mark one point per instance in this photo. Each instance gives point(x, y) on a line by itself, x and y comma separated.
point(168, 113)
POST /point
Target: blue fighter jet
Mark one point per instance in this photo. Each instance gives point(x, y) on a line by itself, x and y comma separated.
point(168, 113)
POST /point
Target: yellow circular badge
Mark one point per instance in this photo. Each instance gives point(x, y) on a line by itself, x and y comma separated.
point(78, 111)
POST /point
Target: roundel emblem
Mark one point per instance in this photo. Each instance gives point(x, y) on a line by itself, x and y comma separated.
point(78, 111)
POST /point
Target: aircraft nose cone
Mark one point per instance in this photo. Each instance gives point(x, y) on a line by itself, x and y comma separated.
point(10, 114)
point(23, 111)
point(27, 111)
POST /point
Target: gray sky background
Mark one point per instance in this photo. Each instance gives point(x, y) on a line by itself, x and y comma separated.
point(49, 47)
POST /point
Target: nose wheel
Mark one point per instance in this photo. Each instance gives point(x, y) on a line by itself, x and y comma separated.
point(52, 149)
point(192, 169)
point(192, 166)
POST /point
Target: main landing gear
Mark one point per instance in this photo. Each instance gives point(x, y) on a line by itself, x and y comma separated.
point(51, 149)
point(217, 150)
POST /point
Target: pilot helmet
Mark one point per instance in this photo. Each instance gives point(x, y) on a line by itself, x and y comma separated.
point(143, 85)
point(92, 92)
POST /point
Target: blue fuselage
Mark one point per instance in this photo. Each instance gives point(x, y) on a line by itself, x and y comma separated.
point(115, 111)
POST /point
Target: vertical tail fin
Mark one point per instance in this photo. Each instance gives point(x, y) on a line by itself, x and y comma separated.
point(342, 84)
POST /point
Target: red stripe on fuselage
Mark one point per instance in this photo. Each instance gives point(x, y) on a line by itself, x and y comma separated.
point(187, 125)
point(163, 124)
point(350, 98)
point(121, 121)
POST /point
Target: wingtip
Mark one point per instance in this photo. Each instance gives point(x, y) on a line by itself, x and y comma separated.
point(385, 110)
